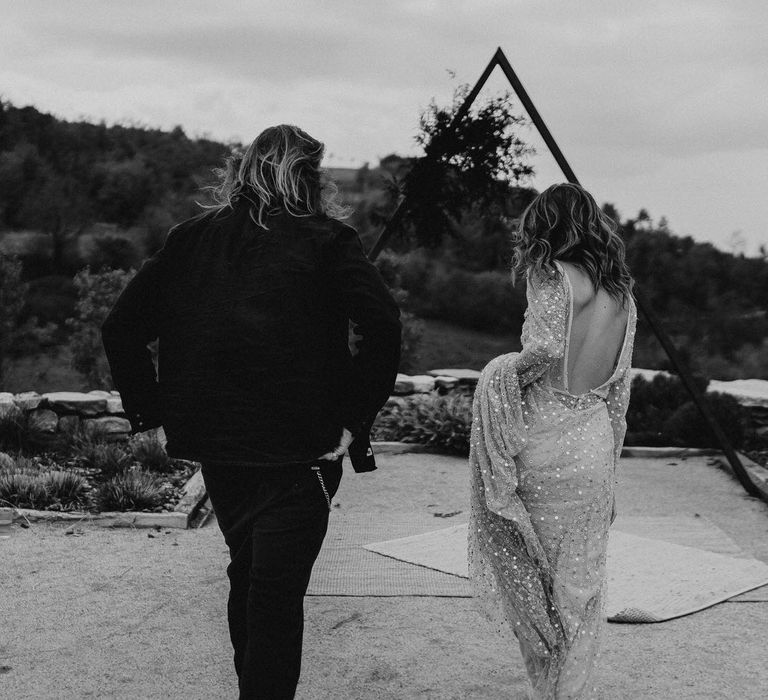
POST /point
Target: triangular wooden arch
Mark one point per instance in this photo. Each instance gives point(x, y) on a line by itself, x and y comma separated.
point(500, 60)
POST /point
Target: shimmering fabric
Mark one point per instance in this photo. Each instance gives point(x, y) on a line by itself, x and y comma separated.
point(542, 465)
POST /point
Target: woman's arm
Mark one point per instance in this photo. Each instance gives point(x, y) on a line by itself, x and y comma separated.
point(545, 327)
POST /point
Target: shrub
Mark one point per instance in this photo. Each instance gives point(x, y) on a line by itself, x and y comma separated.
point(687, 427)
point(23, 489)
point(441, 422)
point(661, 413)
point(113, 252)
point(66, 490)
point(149, 452)
point(108, 457)
point(97, 293)
point(132, 489)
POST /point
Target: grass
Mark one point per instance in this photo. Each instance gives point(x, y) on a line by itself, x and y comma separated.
point(445, 345)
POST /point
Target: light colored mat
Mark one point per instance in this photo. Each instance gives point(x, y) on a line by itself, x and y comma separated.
point(650, 579)
point(345, 568)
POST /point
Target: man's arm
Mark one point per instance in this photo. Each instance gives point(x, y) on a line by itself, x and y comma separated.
point(130, 326)
point(365, 299)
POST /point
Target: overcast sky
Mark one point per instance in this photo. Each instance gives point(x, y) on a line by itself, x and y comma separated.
point(661, 105)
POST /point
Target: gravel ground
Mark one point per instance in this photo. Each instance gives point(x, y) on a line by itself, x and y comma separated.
point(140, 614)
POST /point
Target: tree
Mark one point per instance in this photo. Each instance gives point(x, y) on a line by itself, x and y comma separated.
point(475, 164)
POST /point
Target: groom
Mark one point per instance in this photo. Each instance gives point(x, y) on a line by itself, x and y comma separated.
point(251, 302)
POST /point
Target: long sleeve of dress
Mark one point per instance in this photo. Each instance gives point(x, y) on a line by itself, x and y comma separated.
point(498, 422)
point(544, 332)
point(618, 402)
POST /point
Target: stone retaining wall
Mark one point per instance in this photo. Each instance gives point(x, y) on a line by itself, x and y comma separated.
point(57, 413)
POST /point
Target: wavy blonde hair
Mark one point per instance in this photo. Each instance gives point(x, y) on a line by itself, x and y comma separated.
point(565, 223)
point(279, 171)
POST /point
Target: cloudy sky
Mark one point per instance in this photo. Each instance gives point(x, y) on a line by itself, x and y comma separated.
point(660, 105)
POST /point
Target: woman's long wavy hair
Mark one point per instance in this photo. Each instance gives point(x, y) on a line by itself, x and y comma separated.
point(279, 171)
point(565, 223)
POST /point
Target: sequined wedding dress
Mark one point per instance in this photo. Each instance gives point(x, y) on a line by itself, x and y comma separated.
point(542, 464)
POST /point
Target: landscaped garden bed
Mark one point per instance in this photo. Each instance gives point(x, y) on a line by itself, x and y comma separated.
point(86, 473)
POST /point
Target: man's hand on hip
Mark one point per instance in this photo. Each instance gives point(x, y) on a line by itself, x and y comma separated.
point(344, 442)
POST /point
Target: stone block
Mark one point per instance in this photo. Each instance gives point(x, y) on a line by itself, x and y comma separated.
point(43, 420)
point(109, 426)
point(423, 383)
point(28, 400)
point(465, 377)
point(403, 385)
point(99, 393)
point(69, 424)
point(76, 402)
point(7, 404)
point(115, 404)
point(446, 383)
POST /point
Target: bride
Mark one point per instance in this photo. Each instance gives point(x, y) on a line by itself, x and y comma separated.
point(548, 426)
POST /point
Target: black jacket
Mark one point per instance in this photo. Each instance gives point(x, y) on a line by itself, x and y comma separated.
point(254, 364)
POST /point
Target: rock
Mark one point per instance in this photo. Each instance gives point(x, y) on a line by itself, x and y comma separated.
point(7, 404)
point(446, 383)
point(403, 385)
point(396, 402)
point(465, 377)
point(109, 426)
point(69, 424)
point(43, 420)
point(648, 374)
point(100, 393)
point(423, 383)
point(76, 402)
point(748, 392)
point(28, 400)
point(114, 393)
point(115, 404)
point(6, 461)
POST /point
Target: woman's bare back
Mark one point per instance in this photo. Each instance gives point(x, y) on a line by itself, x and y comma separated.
point(597, 327)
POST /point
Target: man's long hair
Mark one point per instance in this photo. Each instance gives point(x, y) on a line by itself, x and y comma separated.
point(279, 171)
point(565, 223)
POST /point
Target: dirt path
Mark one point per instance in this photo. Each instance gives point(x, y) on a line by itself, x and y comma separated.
point(120, 614)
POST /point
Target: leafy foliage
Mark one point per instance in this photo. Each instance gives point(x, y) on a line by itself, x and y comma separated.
point(132, 489)
point(25, 484)
point(97, 293)
point(471, 163)
point(661, 413)
point(440, 422)
point(148, 451)
point(12, 297)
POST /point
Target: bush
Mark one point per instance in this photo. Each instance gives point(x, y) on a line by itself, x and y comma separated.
point(661, 413)
point(108, 458)
point(149, 452)
point(23, 488)
point(687, 427)
point(97, 293)
point(485, 301)
point(441, 422)
point(65, 490)
point(51, 299)
point(114, 253)
point(132, 489)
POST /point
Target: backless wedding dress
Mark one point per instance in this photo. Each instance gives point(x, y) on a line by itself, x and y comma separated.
point(542, 464)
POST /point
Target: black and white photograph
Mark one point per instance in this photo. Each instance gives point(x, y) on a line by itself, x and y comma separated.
point(398, 350)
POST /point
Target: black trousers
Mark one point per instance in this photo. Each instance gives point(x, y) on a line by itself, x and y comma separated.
point(273, 521)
